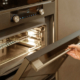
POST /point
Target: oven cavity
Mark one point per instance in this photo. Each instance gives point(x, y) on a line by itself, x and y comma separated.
point(22, 44)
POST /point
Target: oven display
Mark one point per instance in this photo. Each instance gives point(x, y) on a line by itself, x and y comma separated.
point(7, 4)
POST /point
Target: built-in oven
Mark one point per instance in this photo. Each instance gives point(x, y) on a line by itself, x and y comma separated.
point(26, 27)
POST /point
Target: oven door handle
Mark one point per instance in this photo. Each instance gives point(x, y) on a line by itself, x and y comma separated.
point(38, 64)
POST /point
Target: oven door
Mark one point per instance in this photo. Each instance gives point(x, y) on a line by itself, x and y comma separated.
point(45, 62)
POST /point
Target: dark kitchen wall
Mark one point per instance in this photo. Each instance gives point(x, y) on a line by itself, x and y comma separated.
point(68, 22)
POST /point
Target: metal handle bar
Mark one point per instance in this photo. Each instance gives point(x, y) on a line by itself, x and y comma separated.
point(38, 65)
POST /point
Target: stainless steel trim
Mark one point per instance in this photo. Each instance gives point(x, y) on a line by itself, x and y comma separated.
point(56, 21)
point(38, 65)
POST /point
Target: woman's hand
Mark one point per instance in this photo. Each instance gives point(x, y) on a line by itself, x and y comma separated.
point(75, 51)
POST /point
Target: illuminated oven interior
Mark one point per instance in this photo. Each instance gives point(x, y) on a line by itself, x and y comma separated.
point(22, 44)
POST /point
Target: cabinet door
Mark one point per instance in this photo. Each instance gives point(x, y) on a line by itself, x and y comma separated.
point(68, 22)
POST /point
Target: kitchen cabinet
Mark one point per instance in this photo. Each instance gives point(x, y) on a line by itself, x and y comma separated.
point(68, 22)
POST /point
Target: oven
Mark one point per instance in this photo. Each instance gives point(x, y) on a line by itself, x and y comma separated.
point(26, 27)
point(27, 36)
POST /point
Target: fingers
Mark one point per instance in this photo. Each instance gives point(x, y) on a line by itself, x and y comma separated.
point(73, 46)
point(72, 54)
point(75, 51)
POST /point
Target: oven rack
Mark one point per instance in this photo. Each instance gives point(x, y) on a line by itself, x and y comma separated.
point(7, 44)
point(2, 46)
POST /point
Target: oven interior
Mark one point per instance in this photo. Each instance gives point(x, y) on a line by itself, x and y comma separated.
point(22, 44)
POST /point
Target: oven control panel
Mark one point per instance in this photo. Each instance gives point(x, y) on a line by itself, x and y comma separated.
point(20, 15)
point(17, 15)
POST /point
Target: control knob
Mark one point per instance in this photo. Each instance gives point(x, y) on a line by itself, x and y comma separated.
point(41, 11)
point(16, 18)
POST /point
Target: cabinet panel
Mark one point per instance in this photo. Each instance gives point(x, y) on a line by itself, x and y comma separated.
point(68, 22)
point(68, 17)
